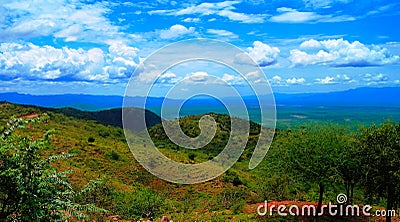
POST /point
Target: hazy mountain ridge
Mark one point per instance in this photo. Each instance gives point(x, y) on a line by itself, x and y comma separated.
point(361, 96)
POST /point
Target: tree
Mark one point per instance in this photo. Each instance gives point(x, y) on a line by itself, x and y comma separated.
point(30, 188)
point(312, 153)
point(380, 157)
point(348, 166)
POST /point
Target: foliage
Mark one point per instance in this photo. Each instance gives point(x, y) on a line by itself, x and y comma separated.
point(380, 156)
point(312, 153)
point(91, 139)
point(226, 198)
point(140, 203)
point(30, 188)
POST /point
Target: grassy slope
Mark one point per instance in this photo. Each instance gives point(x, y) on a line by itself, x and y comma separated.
point(95, 160)
point(109, 158)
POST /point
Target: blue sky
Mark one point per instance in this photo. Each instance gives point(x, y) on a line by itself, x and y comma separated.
point(93, 47)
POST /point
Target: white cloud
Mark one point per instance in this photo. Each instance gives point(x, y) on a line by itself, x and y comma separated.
point(61, 19)
point(176, 31)
point(295, 80)
point(194, 20)
point(222, 33)
point(311, 44)
point(223, 9)
point(345, 79)
point(277, 81)
point(277, 78)
point(325, 81)
point(29, 61)
point(252, 75)
point(323, 3)
point(198, 77)
point(227, 77)
point(263, 54)
point(374, 79)
point(339, 52)
point(340, 78)
point(121, 60)
point(290, 15)
point(231, 79)
point(168, 78)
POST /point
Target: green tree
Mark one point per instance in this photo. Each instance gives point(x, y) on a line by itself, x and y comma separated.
point(30, 188)
point(348, 167)
point(380, 156)
point(312, 153)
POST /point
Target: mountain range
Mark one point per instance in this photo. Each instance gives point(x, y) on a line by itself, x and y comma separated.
point(369, 96)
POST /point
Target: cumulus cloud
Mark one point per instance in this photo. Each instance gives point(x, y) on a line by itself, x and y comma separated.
point(295, 80)
point(176, 31)
point(263, 54)
point(223, 9)
point(277, 81)
point(341, 53)
point(29, 61)
point(61, 19)
point(121, 60)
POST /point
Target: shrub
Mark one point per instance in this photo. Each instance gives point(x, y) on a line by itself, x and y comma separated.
point(91, 139)
point(113, 155)
point(191, 156)
point(31, 189)
point(139, 204)
point(104, 133)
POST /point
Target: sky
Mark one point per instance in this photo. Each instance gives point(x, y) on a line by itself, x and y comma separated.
point(94, 47)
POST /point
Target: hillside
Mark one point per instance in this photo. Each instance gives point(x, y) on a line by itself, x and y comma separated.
point(109, 117)
point(130, 192)
point(127, 186)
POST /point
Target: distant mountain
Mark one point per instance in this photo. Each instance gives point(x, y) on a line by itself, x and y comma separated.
point(388, 96)
point(78, 101)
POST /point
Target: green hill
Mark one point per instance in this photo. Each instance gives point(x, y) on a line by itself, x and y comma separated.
point(102, 153)
point(130, 192)
point(111, 117)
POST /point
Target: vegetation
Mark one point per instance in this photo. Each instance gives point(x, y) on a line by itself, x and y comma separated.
point(30, 188)
point(363, 163)
point(380, 162)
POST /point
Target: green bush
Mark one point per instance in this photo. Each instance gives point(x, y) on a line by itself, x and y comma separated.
point(139, 204)
point(91, 139)
point(192, 156)
point(232, 198)
point(31, 189)
point(104, 133)
point(113, 155)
